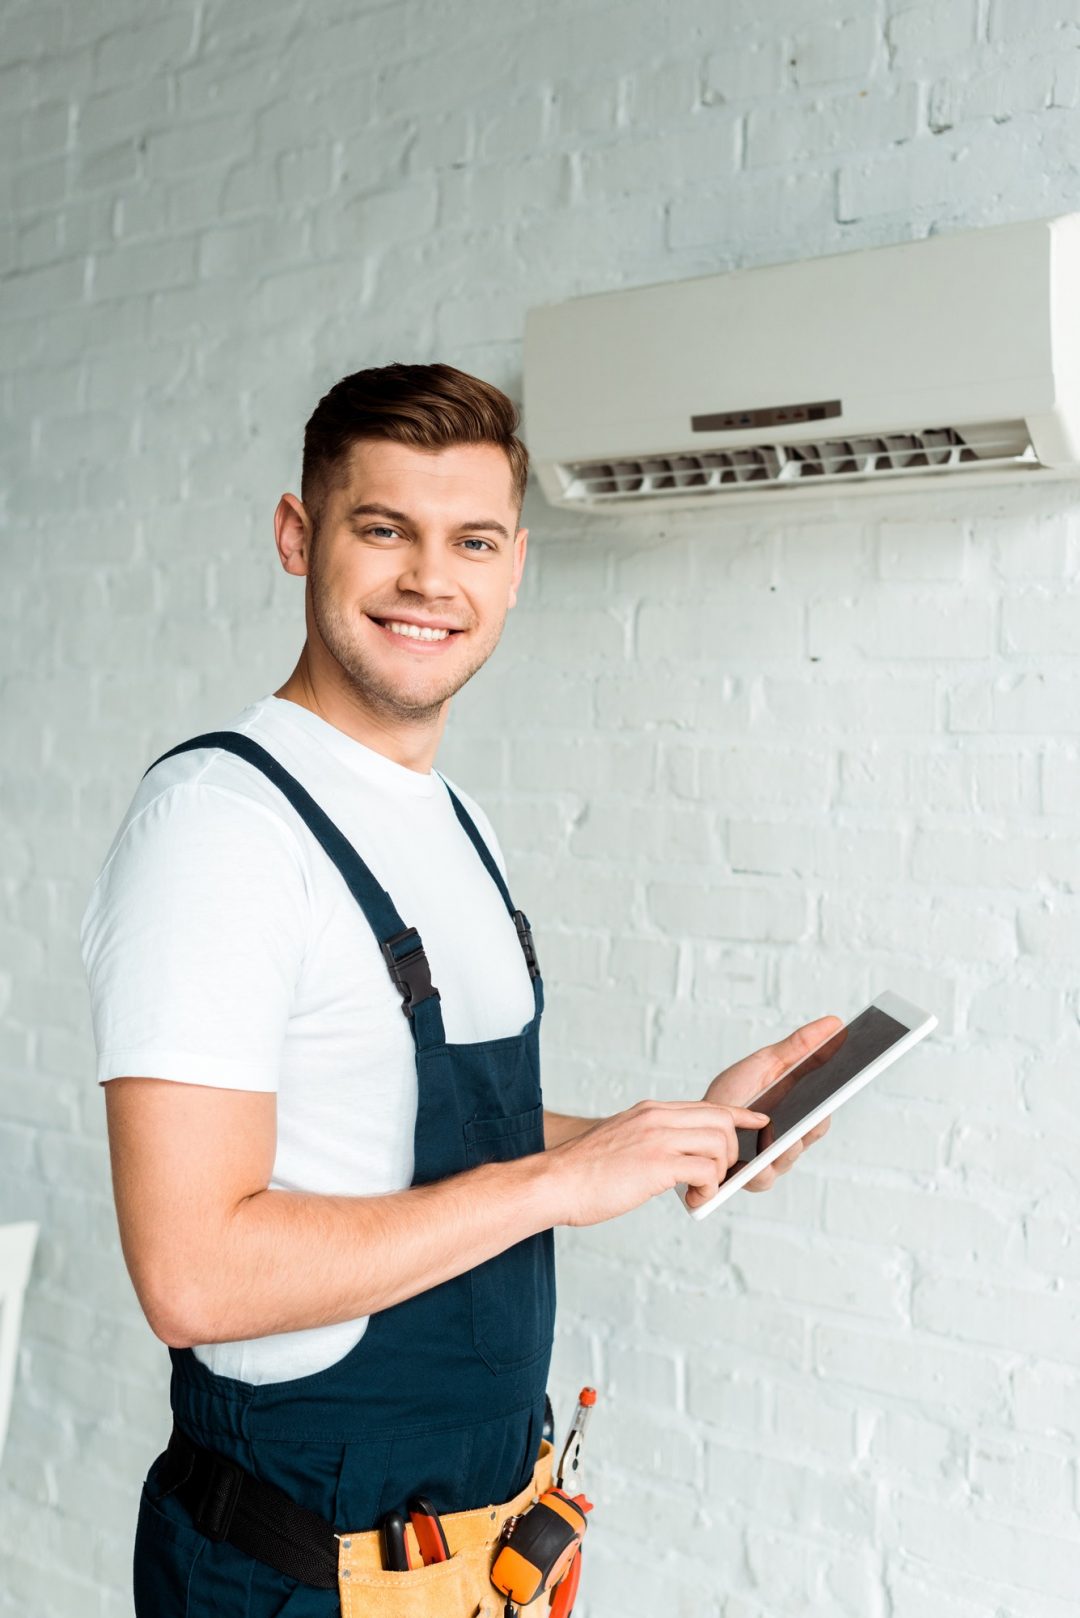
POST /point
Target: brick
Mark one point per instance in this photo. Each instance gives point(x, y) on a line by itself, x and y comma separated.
point(664, 693)
point(1037, 1484)
point(909, 922)
point(845, 48)
point(987, 859)
point(629, 167)
point(912, 1445)
point(645, 966)
point(587, 765)
point(1060, 781)
point(916, 34)
point(838, 705)
point(1003, 1006)
point(815, 554)
point(924, 550)
point(987, 1547)
point(628, 832)
point(740, 624)
point(936, 1376)
point(937, 1228)
point(143, 267)
point(751, 913)
point(714, 213)
point(896, 624)
point(722, 976)
point(785, 848)
point(816, 1420)
point(832, 1275)
point(748, 66)
point(998, 94)
point(1040, 17)
point(913, 180)
point(792, 131)
point(738, 778)
point(122, 54)
point(1014, 1319)
point(1041, 624)
point(1047, 1399)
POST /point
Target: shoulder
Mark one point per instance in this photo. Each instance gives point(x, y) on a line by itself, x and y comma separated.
point(201, 835)
point(210, 804)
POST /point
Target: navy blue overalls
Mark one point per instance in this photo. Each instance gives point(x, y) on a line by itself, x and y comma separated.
point(444, 1393)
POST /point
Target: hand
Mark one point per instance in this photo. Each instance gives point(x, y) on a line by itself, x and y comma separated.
point(621, 1162)
point(744, 1080)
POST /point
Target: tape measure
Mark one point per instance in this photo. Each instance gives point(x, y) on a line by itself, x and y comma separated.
point(539, 1546)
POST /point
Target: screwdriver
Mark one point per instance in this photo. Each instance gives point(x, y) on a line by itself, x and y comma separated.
point(570, 1462)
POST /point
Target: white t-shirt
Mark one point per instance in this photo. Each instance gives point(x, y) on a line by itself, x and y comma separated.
point(223, 947)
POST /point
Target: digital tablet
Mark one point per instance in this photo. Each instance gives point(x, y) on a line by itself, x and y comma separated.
point(818, 1084)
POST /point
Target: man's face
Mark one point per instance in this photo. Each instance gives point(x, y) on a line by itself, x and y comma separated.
point(416, 539)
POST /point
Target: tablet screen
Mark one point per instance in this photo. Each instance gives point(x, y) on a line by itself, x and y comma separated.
point(819, 1076)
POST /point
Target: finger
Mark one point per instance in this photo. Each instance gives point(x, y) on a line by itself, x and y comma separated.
point(702, 1180)
point(804, 1041)
point(817, 1132)
point(719, 1148)
point(688, 1114)
point(697, 1194)
point(787, 1159)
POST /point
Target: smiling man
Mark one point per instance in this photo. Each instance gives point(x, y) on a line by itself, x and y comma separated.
point(317, 1013)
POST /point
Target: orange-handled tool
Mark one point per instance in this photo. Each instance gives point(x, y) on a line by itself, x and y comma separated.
point(428, 1528)
point(565, 1592)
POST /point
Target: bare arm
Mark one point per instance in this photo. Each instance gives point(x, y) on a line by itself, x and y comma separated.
point(216, 1256)
point(562, 1126)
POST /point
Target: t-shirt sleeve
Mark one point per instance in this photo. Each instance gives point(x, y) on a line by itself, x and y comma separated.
point(193, 940)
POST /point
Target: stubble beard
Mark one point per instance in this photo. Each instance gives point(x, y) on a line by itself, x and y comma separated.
point(340, 636)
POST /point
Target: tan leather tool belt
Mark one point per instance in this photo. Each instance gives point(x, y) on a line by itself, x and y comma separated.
point(459, 1588)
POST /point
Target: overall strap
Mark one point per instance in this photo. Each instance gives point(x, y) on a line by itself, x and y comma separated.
point(402, 947)
point(521, 921)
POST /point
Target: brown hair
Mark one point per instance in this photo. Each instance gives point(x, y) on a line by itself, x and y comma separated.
point(427, 406)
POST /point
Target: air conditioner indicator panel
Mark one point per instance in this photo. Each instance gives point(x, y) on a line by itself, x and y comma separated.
point(737, 421)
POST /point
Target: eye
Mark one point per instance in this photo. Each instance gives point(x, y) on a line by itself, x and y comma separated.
point(484, 542)
point(382, 528)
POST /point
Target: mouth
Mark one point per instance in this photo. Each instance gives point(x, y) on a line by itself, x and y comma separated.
point(416, 637)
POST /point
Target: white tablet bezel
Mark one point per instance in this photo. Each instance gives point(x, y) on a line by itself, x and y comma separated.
point(917, 1022)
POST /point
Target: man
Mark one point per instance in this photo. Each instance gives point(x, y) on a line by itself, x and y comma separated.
point(339, 1217)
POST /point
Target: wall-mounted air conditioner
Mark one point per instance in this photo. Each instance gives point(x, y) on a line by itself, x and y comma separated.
point(952, 358)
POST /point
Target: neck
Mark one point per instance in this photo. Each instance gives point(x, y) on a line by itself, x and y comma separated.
point(412, 743)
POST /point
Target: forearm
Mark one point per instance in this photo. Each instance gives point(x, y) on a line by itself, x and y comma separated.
point(288, 1260)
point(562, 1126)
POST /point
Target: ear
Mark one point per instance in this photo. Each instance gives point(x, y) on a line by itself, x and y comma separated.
point(293, 532)
point(521, 539)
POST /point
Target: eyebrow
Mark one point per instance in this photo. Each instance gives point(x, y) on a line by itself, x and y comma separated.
point(371, 510)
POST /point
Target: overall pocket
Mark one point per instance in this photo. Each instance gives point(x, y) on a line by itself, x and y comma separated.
point(165, 1554)
point(513, 1294)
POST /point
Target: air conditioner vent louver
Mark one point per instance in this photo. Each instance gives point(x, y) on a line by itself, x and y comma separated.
point(866, 458)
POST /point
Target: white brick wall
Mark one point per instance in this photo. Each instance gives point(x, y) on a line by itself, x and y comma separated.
point(746, 771)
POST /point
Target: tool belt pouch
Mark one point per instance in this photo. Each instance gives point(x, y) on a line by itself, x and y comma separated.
point(459, 1588)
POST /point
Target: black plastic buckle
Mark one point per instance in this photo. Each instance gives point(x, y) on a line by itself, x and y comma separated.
point(215, 1510)
point(524, 932)
point(410, 971)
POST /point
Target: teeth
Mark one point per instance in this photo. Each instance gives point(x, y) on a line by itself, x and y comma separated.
point(415, 632)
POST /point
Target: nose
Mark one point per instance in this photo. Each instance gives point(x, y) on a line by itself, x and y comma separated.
point(426, 571)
